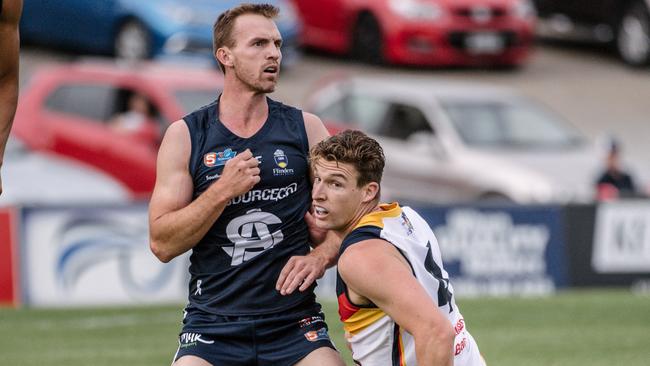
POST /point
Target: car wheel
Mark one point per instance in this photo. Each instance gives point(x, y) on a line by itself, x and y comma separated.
point(133, 41)
point(633, 37)
point(367, 44)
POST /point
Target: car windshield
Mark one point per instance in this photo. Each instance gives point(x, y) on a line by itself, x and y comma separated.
point(191, 99)
point(517, 123)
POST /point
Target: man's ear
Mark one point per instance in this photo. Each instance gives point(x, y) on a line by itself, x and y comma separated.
point(224, 56)
point(370, 192)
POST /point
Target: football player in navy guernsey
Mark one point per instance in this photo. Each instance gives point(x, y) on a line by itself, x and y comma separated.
point(395, 300)
point(10, 11)
point(233, 187)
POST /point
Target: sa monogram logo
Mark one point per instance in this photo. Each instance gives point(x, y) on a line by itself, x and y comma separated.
point(250, 235)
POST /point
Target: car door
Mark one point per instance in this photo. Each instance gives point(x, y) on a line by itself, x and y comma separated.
point(77, 116)
point(89, 23)
point(323, 22)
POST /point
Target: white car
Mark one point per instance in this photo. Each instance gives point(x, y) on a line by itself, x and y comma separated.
point(34, 178)
point(451, 142)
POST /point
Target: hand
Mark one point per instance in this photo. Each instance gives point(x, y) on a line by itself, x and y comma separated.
point(299, 273)
point(316, 234)
point(240, 173)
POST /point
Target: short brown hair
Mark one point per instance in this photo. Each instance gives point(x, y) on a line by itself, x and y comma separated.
point(222, 29)
point(355, 148)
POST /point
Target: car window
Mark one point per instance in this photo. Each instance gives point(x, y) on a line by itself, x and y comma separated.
point(367, 113)
point(402, 121)
point(191, 99)
point(94, 102)
point(517, 124)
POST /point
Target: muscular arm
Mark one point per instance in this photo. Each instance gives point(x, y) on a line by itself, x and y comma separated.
point(9, 45)
point(176, 223)
point(301, 271)
point(326, 250)
point(374, 270)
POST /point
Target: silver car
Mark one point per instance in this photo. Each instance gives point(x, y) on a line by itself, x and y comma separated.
point(452, 142)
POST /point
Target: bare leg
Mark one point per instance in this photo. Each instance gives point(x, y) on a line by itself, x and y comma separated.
point(322, 356)
point(191, 361)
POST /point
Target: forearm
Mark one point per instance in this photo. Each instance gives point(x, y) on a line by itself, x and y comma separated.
point(432, 349)
point(328, 250)
point(176, 232)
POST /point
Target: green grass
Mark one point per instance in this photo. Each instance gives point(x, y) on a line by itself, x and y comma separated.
point(603, 327)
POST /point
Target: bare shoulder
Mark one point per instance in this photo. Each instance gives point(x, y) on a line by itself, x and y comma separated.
point(316, 131)
point(362, 259)
point(11, 10)
point(176, 144)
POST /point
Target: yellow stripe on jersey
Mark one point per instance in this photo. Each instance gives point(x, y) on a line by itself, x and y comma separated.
point(376, 218)
point(362, 319)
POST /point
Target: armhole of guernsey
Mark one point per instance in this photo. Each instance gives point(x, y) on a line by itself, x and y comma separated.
point(191, 127)
point(299, 120)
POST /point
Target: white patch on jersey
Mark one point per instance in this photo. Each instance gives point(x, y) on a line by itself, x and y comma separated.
point(250, 235)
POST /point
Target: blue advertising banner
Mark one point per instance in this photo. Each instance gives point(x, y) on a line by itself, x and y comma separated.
point(501, 250)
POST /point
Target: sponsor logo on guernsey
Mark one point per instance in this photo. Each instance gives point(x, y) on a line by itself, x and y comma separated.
point(460, 346)
point(269, 194)
point(218, 158)
point(406, 223)
point(191, 339)
point(317, 335)
point(460, 326)
point(212, 177)
point(282, 161)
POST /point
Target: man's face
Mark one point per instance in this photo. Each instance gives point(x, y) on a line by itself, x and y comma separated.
point(337, 201)
point(256, 54)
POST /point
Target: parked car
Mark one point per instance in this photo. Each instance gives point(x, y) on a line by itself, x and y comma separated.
point(68, 110)
point(450, 142)
point(135, 29)
point(421, 32)
point(624, 24)
point(30, 177)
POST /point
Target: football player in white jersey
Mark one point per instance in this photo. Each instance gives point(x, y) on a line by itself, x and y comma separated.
point(395, 299)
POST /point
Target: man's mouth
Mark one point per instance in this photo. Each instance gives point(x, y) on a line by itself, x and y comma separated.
point(271, 70)
point(320, 211)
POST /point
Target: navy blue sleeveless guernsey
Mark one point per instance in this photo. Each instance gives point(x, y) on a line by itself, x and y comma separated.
point(235, 266)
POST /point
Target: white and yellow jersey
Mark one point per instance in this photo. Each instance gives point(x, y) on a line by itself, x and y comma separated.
point(375, 339)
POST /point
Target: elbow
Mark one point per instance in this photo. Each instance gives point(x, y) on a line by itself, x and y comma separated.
point(160, 252)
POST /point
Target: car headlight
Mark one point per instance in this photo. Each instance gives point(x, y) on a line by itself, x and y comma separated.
point(415, 9)
point(524, 9)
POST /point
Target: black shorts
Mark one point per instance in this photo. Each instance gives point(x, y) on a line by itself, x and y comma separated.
point(277, 339)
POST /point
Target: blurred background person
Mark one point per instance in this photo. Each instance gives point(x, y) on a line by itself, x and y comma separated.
point(10, 11)
point(615, 182)
point(138, 113)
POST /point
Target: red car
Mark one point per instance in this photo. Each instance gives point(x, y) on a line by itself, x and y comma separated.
point(421, 32)
point(72, 110)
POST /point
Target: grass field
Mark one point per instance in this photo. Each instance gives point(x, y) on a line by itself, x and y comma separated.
point(595, 328)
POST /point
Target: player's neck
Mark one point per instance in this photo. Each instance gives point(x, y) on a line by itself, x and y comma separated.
point(244, 113)
point(363, 210)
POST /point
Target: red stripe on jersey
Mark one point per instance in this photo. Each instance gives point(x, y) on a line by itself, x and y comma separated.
point(346, 308)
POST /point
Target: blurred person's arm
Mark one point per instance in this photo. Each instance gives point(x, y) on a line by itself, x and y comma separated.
point(9, 50)
point(176, 222)
point(375, 271)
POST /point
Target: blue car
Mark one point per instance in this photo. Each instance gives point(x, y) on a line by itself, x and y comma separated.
point(139, 29)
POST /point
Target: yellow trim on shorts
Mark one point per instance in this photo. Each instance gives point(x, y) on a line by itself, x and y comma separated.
point(363, 318)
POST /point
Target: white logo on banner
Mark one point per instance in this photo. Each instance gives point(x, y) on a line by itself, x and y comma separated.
point(622, 238)
point(251, 236)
